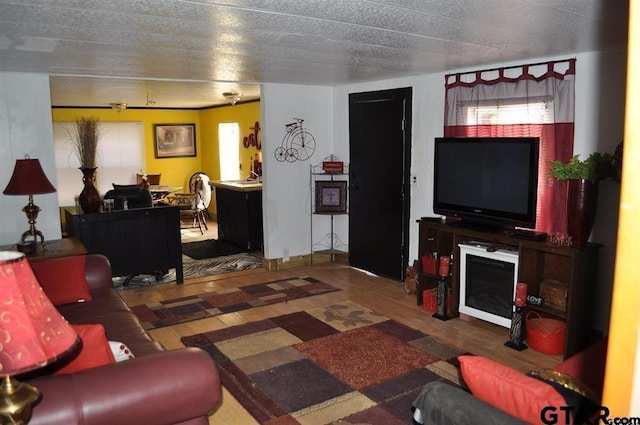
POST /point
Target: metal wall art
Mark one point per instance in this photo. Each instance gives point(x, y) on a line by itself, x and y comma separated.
point(297, 145)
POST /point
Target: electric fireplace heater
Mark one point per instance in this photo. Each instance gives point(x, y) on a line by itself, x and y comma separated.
point(488, 282)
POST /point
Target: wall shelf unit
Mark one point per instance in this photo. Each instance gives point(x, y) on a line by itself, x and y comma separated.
point(329, 201)
point(539, 262)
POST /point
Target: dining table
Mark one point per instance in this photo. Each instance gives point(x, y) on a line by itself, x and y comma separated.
point(160, 192)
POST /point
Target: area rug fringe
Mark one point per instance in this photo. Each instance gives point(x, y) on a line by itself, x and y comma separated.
point(330, 403)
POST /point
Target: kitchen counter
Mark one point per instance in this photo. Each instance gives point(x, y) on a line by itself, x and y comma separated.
point(238, 185)
point(239, 210)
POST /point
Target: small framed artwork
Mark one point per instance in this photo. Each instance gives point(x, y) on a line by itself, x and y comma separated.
point(331, 197)
point(175, 140)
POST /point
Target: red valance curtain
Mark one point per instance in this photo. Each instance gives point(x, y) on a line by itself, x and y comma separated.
point(514, 101)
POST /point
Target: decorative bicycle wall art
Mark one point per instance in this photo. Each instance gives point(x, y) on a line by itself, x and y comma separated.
point(297, 145)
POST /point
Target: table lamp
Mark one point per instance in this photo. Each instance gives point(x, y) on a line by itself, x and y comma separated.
point(33, 333)
point(29, 179)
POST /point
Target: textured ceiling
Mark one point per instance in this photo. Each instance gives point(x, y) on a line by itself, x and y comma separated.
point(187, 53)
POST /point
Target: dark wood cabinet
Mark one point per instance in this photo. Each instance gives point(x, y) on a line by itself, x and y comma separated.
point(136, 241)
point(240, 217)
point(539, 261)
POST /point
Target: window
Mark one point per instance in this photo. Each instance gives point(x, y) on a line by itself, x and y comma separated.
point(229, 142)
point(529, 100)
point(120, 156)
point(506, 112)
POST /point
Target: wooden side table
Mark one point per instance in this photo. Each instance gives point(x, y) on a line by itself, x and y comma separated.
point(55, 249)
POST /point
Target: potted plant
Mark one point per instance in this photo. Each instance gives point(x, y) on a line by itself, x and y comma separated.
point(85, 135)
point(582, 179)
point(595, 168)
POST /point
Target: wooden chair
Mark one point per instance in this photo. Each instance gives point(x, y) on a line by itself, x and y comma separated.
point(194, 180)
point(194, 205)
point(188, 204)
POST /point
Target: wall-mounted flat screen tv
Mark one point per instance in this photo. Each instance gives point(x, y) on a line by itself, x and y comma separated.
point(487, 181)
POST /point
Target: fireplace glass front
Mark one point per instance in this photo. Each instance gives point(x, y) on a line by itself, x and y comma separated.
point(487, 283)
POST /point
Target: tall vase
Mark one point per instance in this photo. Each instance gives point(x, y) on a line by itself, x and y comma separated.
point(89, 197)
point(582, 201)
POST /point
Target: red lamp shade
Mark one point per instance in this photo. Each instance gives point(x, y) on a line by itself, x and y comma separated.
point(32, 332)
point(28, 178)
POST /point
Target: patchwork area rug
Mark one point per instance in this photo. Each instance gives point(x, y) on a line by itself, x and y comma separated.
point(210, 248)
point(196, 268)
point(342, 361)
point(185, 309)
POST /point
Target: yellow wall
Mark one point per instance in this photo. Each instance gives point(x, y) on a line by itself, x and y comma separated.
point(245, 115)
point(176, 171)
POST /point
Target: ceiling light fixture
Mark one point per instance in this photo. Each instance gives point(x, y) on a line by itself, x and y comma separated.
point(118, 107)
point(232, 97)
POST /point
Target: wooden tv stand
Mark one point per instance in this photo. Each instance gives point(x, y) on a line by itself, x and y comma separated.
point(538, 261)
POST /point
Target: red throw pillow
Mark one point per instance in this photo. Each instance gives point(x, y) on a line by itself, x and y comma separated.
point(95, 350)
point(507, 389)
point(63, 279)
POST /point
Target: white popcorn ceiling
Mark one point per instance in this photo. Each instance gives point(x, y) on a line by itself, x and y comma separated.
point(187, 53)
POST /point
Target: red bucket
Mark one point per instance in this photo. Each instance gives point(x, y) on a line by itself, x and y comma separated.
point(544, 334)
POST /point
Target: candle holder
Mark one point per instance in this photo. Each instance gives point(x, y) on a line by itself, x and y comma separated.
point(516, 330)
point(443, 298)
point(443, 290)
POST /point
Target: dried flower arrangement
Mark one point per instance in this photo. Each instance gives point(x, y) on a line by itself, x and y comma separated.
point(85, 135)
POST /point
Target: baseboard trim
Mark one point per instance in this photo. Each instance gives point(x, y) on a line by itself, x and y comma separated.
point(274, 264)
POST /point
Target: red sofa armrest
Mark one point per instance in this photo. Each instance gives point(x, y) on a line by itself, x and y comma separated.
point(163, 388)
point(588, 366)
point(98, 272)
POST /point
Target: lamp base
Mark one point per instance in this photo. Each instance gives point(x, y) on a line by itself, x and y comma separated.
point(32, 211)
point(31, 236)
point(28, 247)
point(16, 399)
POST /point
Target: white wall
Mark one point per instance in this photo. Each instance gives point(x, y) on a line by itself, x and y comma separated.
point(286, 184)
point(25, 129)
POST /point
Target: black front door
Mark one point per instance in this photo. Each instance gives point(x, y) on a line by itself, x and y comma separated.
point(380, 157)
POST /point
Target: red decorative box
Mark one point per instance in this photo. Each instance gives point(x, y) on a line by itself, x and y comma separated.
point(333, 167)
point(428, 264)
point(430, 300)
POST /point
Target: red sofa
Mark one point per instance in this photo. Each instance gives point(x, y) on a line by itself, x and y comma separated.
point(156, 387)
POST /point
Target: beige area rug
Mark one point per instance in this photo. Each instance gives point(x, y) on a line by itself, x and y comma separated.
point(342, 362)
point(207, 304)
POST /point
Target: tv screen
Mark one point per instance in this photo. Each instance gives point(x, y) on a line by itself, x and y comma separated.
point(489, 181)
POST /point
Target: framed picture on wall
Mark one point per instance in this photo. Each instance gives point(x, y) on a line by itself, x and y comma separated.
point(174, 140)
point(331, 197)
